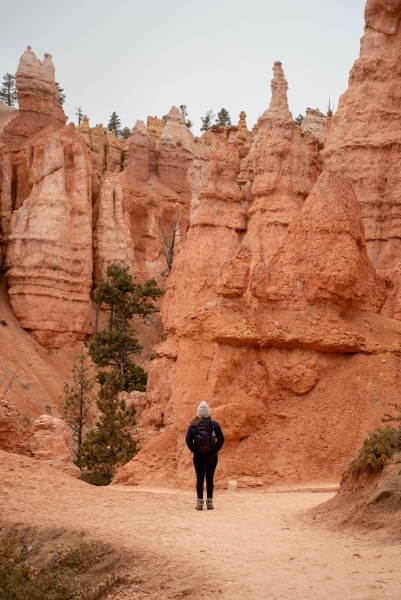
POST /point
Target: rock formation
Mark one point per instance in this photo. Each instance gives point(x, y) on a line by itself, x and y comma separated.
point(364, 137)
point(5, 199)
point(38, 99)
point(314, 123)
point(155, 127)
point(215, 232)
point(175, 152)
point(50, 245)
point(51, 443)
point(265, 366)
point(49, 440)
point(6, 114)
point(15, 435)
point(138, 157)
point(279, 309)
point(323, 259)
point(112, 241)
point(286, 163)
point(244, 136)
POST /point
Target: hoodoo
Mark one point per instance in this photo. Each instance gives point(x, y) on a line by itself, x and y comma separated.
point(284, 291)
point(363, 141)
point(276, 306)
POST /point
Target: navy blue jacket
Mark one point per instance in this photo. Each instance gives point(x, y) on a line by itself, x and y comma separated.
point(219, 439)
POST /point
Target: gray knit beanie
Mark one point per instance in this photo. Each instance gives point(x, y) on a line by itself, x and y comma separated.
point(203, 410)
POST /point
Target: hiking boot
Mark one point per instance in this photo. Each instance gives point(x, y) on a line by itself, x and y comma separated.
point(209, 504)
point(199, 505)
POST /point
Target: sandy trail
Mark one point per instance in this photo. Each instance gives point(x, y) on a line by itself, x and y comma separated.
point(253, 545)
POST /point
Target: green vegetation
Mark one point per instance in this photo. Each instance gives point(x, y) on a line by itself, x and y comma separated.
point(207, 121)
point(95, 479)
point(77, 402)
point(8, 90)
point(125, 133)
point(114, 123)
point(62, 96)
point(376, 450)
point(110, 444)
point(184, 112)
point(223, 118)
point(299, 120)
point(55, 565)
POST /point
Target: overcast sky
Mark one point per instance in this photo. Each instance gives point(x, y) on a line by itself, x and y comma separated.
point(139, 58)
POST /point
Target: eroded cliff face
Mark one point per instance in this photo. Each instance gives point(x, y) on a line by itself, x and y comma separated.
point(176, 152)
point(48, 440)
point(38, 99)
point(268, 313)
point(288, 360)
point(49, 255)
point(279, 308)
point(215, 232)
point(363, 141)
point(74, 201)
point(285, 165)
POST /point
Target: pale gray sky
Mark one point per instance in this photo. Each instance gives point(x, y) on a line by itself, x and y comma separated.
point(141, 57)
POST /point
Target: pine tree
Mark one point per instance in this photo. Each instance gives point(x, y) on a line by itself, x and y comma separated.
point(8, 90)
point(125, 133)
point(79, 114)
point(223, 118)
point(207, 120)
point(114, 123)
point(184, 112)
point(115, 346)
point(77, 403)
point(61, 95)
point(299, 120)
point(110, 444)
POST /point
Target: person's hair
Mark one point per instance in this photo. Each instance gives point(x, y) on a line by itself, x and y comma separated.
point(198, 420)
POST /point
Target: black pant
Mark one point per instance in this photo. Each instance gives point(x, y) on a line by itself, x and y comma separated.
point(205, 463)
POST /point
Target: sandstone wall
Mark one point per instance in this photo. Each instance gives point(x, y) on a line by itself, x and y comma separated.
point(363, 143)
point(48, 440)
point(295, 374)
point(38, 99)
point(267, 315)
point(285, 165)
point(49, 253)
point(51, 443)
point(176, 152)
point(112, 241)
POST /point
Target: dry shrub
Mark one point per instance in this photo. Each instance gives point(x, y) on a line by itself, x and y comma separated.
point(48, 564)
point(376, 450)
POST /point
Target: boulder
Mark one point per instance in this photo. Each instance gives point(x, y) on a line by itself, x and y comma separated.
point(51, 443)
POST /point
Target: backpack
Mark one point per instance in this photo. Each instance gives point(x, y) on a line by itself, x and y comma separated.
point(203, 435)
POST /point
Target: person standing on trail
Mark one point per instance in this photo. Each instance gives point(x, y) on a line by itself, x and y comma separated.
point(205, 439)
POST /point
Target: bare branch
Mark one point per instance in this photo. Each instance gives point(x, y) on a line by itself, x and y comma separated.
point(170, 242)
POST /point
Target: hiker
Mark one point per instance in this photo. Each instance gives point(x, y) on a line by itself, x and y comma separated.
point(205, 439)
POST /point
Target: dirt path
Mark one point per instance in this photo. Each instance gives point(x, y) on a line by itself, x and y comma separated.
point(253, 545)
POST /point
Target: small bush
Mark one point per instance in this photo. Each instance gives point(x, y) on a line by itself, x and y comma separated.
point(376, 450)
point(48, 569)
point(95, 479)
